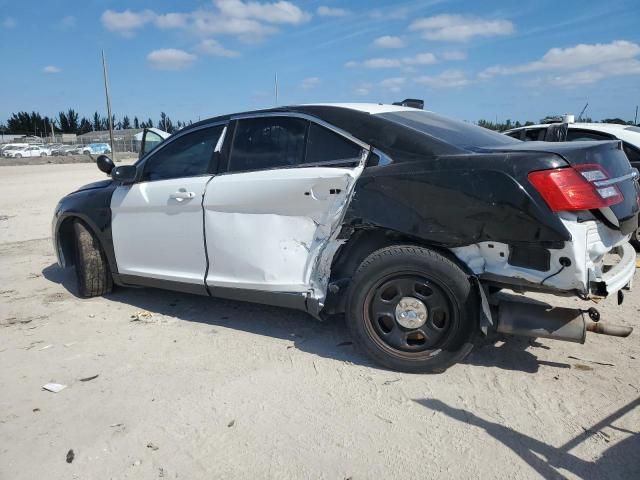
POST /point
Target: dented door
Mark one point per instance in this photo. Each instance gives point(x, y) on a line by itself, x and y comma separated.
point(266, 229)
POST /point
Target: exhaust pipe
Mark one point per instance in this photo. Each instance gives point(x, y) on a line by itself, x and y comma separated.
point(545, 321)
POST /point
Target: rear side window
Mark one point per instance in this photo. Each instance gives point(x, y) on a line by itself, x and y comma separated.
point(323, 145)
point(186, 156)
point(633, 153)
point(534, 134)
point(583, 135)
point(267, 142)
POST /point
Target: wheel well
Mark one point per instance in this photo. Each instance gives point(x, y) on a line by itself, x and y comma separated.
point(360, 245)
point(67, 241)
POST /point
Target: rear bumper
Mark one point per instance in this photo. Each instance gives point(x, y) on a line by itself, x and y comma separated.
point(620, 275)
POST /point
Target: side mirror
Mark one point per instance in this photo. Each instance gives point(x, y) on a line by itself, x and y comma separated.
point(105, 164)
point(125, 173)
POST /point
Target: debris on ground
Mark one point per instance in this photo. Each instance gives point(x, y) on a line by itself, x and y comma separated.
point(88, 379)
point(389, 382)
point(35, 410)
point(46, 347)
point(584, 368)
point(608, 364)
point(70, 456)
point(231, 423)
point(54, 387)
point(152, 446)
point(383, 419)
point(141, 316)
point(113, 425)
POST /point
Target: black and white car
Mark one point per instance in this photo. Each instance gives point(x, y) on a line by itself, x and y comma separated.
point(405, 221)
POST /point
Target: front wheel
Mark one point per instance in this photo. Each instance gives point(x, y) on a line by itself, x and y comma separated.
point(635, 239)
point(43, 154)
point(18, 155)
point(92, 269)
point(412, 309)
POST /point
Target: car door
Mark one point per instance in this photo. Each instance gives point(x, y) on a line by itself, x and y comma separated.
point(157, 222)
point(271, 214)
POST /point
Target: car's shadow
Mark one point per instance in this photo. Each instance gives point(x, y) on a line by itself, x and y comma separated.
point(329, 339)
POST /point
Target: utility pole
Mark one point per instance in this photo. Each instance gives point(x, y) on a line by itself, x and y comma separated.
point(106, 92)
point(276, 86)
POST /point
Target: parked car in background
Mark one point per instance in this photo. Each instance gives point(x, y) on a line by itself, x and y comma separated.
point(403, 220)
point(11, 146)
point(29, 151)
point(570, 131)
point(96, 148)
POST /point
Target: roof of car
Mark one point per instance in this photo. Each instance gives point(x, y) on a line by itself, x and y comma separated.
point(592, 126)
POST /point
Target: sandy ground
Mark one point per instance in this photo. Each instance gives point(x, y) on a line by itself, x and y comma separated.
point(206, 388)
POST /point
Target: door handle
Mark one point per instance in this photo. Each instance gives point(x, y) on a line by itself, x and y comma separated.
point(181, 195)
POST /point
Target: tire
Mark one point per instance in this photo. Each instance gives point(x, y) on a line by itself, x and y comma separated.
point(92, 269)
point(43, 154)
point(18, 155)
point(87, 152)
point(450, 315)
point(635, 239)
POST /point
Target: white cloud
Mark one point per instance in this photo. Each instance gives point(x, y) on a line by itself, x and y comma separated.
point(446, 79)
point(394, 84)
point(420, 59)
point(388, 41)
point(331, 12)
point(310, 82)
point(213, 48)
point(170, 59)
point(460, 28)
point(9, 22)
point(171, 20)
point(51, 69)
point(277, 12)
point(580, 64)
point(383, 62)
point(248, 20)
point(453, 55)
point(127, 22)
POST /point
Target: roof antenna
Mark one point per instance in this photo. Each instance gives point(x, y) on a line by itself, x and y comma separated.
point(276, 87)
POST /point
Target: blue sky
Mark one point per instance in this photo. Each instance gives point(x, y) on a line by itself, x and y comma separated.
point(194, 59)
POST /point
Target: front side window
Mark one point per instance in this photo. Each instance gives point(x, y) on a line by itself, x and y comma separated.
point(323, 145)
point(186, 156)
point(267, 142)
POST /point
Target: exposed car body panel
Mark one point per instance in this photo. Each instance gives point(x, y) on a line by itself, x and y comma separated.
point(270, 226)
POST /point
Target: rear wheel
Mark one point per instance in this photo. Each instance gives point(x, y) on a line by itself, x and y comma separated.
point(43, 154)
point(635, 239)
point(92, 269)
point(412, 309)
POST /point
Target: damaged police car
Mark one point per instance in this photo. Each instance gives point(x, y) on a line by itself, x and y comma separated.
point(405, 221)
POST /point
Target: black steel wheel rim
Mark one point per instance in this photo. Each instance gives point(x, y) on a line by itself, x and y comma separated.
point(382, 322)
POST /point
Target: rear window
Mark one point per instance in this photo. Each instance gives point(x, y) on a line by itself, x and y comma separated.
point(460, 134)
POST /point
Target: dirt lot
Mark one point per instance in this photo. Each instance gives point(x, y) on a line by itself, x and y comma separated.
point(60, 159)
point(206, 388)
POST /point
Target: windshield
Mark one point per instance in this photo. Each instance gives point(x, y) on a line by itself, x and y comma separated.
point(460, 134)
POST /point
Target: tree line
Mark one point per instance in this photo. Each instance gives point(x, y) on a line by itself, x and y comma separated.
point(508, 124)
point(70, 121)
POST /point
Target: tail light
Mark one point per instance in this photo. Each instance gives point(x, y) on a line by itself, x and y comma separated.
point(582, 187)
